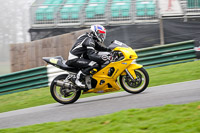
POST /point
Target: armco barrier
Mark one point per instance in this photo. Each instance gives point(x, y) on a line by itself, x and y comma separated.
point(149, 57)
point(23, 80)
point(28, 79)
point(166, 54)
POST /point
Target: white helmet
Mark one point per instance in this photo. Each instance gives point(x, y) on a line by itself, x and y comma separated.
point(99, 32)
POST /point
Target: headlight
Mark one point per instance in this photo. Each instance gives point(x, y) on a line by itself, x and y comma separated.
point(134, 62)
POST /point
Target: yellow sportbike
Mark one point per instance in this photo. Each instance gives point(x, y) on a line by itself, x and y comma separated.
point(121, 71)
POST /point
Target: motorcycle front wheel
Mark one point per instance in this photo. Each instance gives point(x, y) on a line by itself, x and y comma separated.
point(63, 95)
point(137, 85)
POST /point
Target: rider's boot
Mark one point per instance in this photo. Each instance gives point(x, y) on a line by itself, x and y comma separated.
point(79, 77)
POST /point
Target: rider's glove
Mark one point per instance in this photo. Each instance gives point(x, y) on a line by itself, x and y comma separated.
point(109, 50)
point(106, 57)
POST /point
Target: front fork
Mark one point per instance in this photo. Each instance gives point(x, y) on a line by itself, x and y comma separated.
point(130, 70)
point(132, 76)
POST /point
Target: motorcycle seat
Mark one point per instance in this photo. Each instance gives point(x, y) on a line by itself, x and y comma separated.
point(61, 63)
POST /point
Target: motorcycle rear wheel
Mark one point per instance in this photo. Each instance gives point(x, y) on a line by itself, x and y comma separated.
point(138, 85)
point(59, 94)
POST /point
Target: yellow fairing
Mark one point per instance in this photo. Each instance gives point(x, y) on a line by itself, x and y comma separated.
point(129, 53)
point(106, 83)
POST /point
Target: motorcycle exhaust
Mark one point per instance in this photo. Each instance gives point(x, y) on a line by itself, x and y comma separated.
point(63, 84)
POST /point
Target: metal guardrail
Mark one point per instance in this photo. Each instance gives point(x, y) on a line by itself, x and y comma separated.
point(166, 54)
point(23, 80)
point(28, 79)
point(149, 57)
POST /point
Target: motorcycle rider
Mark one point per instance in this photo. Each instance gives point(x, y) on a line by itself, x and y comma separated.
point(83, 54)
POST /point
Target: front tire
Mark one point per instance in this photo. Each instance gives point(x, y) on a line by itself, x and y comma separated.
point(135, 86)
point(59, 94)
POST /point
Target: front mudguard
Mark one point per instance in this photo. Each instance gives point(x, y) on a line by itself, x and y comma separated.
point(131, 69)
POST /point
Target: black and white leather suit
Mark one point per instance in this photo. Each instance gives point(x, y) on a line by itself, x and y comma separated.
point(83, 54)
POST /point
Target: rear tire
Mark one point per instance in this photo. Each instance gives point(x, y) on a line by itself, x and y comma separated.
point(137, 86)
point(57, 94)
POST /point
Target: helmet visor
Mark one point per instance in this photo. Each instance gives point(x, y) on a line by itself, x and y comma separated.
point(102, 36)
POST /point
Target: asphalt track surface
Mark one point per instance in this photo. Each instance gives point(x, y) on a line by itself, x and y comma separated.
point(178, 93)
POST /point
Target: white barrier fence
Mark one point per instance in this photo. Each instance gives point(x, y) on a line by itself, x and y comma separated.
point(52, 72)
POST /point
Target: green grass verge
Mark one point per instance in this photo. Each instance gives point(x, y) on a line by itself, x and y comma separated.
point(158, 76)
point(167, 119)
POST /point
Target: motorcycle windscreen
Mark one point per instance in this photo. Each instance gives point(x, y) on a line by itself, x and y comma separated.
point(116, 43)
